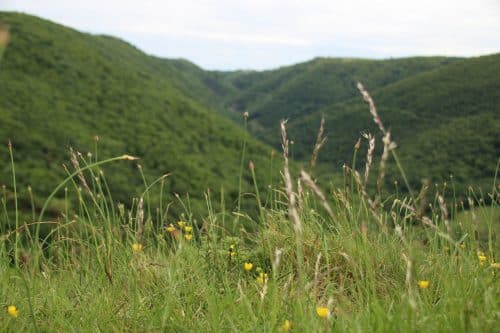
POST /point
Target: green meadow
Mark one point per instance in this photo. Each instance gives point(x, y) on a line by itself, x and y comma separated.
point(149, 195)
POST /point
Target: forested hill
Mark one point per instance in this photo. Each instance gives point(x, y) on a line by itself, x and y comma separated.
point(61, 88)
point(298, 90)
point(445, 122)
point(443, 112)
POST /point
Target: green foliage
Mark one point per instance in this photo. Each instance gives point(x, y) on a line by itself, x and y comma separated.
point(444, 121)
point(101, 265)
point(296, 91)
point(442, 112)
point(62, 88)
point(116, 271)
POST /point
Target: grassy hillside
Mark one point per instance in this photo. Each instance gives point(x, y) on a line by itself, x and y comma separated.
point(355, 270)
point(62, 88)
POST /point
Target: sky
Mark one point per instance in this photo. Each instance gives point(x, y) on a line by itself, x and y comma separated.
point(263, 34)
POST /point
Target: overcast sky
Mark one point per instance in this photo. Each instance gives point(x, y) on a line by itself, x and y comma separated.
point(261, 34)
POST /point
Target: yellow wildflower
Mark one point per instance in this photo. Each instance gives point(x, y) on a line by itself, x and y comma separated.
point(181, 224)
point(13, 311)
point(188, 237)
point(286, 325)
point(232, 252)
point(170, 228)
point(136, 247)
point(423, 284)
point(495, 265)
point(248, 266)
point(323, 312)
point(262, 278)
point(188, 229)
point(482, 259)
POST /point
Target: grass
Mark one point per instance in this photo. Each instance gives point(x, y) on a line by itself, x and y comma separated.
point(350, 261)
point(152, 108)
point(90, 277)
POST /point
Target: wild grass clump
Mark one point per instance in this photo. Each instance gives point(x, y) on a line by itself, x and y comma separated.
point(314, 260)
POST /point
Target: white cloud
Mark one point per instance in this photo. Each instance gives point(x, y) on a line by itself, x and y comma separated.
point(226, 37)
point(253, 31)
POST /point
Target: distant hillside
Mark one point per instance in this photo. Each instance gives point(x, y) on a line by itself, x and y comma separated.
point(296, 91)
point(60, 88)
point(444, 120)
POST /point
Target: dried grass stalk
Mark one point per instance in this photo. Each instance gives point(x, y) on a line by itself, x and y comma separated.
point(422, 197)
point(129, 157)
point(373, 110)
point(300, 194)
point(444, 213)
point(306, 178)
point(369, 155)
point(388, 146)
point(320, 141)
point(371, 204)
point(409, 281)
point(140, 219)
point(424, 219)
point(292, 208)
point(277, 259)
point(76, 166)
point(316, 270)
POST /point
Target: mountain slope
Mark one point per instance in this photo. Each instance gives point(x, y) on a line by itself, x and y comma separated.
point(298, 90)
point(60, 88)
point(445, 122)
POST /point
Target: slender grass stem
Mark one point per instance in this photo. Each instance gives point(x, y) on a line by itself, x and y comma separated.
point(403, 174)
point(242, 165)
point(16, 208)
point(30, 302)
point(257, 192)
point(75, 173)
